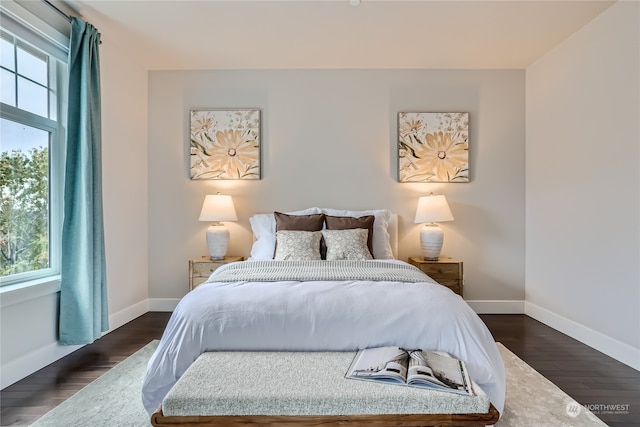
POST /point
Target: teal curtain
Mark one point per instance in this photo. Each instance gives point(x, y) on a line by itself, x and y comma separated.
point(83, 287)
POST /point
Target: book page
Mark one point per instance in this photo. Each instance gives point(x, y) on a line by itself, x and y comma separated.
point(419, 371)
point(438, 369)
point(383, 363)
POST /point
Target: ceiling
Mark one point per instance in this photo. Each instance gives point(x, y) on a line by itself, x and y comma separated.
point(188, 35)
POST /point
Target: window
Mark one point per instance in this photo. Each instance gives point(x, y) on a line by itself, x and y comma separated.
point(31, 153)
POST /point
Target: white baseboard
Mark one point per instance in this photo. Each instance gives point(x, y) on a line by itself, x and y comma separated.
point(497, 306)
point(126, 315)
point(33, 361)
point(618, 350)
point(163, 304)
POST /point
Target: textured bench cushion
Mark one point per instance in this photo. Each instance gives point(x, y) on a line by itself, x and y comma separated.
point(300, 383)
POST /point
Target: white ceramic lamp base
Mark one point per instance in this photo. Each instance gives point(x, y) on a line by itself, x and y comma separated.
point(217, 240)
point(431, 238)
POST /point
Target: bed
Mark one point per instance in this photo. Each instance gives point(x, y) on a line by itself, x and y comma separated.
point(332, 286)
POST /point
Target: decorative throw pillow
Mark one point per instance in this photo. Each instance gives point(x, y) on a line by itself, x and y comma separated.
point(350, 222)
point(297, 245)
point(313, 222)
point(264, 232)
point(381, 238)
point(346, 244)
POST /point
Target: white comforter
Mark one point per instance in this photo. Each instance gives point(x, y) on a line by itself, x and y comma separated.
point(322, 315)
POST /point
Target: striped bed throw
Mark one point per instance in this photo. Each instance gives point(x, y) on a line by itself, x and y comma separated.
point(317, 270)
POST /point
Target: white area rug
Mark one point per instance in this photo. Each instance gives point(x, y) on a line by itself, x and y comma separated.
point(534, 401)
point(113, 400)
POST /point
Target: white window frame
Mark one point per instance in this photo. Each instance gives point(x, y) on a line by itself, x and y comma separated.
point(31, 30)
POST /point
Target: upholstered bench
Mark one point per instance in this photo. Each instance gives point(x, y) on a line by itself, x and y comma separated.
point(306, 388)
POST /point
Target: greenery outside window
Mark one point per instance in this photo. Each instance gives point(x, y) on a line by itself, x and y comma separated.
point(31, 156)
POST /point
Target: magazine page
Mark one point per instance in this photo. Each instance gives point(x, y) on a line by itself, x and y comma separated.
point(380, 364)
point(438, 370)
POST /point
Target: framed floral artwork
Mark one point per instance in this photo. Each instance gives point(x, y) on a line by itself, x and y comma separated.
point(225, 144)
point(433, 147)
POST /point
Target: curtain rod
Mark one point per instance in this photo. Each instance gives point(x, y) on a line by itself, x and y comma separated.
point(60, 12)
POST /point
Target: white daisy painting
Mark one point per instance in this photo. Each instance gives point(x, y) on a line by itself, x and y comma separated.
point(433, 147)
point(225, 144)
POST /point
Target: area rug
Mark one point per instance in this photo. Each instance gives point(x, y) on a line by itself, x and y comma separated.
point(113, 400)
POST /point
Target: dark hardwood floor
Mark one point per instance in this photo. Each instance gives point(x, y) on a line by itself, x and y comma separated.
point(590, 377)
point(27, 400)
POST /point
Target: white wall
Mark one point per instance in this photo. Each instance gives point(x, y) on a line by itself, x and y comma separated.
point(125, 182)
point(29, 322)
point(330, 141)
point(583, 185)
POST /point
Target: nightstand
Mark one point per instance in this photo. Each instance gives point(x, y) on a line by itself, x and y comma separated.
point(201, 268)
point(446, 271)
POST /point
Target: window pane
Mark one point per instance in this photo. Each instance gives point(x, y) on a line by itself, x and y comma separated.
point(32, 66)
point(24, 205)
point(8, 90)
point(32, 97)
point(7, 54)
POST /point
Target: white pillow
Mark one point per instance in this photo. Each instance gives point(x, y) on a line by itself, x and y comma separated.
point(264, 231)
point(381, 238)
point(298, 245)
point(346, 244)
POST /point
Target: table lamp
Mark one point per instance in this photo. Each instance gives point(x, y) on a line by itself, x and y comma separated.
point(217, 208)
point(431, 210)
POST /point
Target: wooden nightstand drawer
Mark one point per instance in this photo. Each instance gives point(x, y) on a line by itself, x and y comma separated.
point(446, 271)
point(442, 270)
point(201, 268)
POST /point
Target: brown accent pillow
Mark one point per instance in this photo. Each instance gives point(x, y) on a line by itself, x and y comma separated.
point(350, 222)
point(313, 222)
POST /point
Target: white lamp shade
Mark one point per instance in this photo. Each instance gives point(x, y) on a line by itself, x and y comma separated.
point(218, 207)
point(433, 208)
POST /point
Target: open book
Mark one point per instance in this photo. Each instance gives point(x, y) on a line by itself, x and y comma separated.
point(431, 369)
